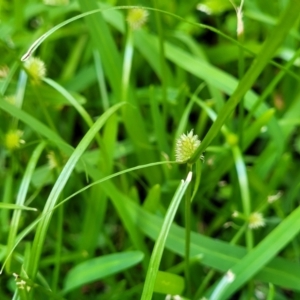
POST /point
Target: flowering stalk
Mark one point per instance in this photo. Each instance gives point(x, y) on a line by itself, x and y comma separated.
point(136, 18)
point(186, 145)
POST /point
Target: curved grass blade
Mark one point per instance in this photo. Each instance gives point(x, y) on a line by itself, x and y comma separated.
point(161, 240)
point(22, 196)
point(80, 109)
point(278, 34)
point(58, 187)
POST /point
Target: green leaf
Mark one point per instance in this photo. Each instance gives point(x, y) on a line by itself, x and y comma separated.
point(220, 255)
point(100, 267)
point(256, 259)
point(168, 283)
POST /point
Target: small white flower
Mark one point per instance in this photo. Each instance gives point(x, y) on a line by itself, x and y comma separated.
point(230, 276)
point(256, 220)
point(235, 214)
point(227, 224)
point(273, 198)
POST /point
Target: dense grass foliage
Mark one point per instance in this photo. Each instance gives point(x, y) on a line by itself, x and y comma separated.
point(106, 190)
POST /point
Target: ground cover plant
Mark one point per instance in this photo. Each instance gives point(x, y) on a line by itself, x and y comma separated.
point(149, 150)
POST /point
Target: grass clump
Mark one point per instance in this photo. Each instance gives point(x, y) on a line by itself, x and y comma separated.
point(98, 152)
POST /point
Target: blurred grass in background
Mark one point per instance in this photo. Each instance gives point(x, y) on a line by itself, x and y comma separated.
point(88, 135)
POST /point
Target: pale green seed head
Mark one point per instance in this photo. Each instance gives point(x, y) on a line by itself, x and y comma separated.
point(186, 146)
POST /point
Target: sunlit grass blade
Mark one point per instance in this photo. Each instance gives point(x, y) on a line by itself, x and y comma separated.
point(80, 109)
point(244, 189)
point(15, 207)
point(161, 240)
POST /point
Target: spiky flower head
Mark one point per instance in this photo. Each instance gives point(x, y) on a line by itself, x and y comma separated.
point(186, 146)
point(137, 17)
point(256, 220)
point(21, 284)
point(12, 139)
point(36, 68)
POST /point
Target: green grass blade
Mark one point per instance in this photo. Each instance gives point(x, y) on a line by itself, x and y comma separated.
point(168, 283)
point(218, 254)
point(22, 193)
point(58, 187)
point(80, 109)
point(100, 267)
point(161, 240)
point(15, 206)
point(256, 259)
point(104, 43)
point(270, 46)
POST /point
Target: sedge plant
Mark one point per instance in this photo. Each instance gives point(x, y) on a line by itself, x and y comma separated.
point(102, 109)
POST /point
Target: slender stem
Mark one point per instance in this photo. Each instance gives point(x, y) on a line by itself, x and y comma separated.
point(238, 235)
point(101, 80)
point(58, 248)
point(241, 68)
point(162, 60)
point(188, 234)
point(204, 284)
point(45, 112)
point(244, 189)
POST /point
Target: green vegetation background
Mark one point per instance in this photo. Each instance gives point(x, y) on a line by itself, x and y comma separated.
point(93, 205)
